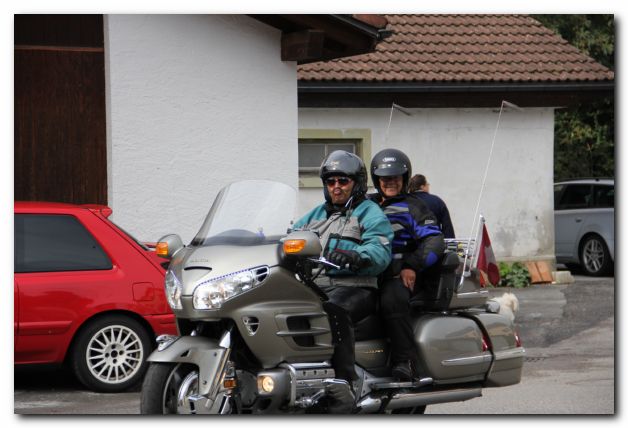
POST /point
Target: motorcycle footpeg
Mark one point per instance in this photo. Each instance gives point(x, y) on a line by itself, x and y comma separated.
point(417, 383)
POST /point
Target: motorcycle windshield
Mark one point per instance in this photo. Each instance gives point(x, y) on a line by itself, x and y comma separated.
point(248, 212)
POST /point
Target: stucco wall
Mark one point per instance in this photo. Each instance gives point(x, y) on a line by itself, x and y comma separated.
point(194, 102)
point(451, 147)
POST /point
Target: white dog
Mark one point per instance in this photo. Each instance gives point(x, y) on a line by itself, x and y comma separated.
point(508, 305)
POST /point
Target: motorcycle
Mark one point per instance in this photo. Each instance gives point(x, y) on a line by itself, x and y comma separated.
point(255, 333)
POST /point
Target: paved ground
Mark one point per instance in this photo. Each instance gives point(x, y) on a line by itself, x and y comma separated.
point(568, 332)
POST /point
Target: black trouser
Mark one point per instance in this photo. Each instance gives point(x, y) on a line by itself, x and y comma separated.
point(395, 309)
point(346, 306)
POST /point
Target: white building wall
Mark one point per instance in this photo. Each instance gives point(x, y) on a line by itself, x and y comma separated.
point(194, 102)
point(451, 148)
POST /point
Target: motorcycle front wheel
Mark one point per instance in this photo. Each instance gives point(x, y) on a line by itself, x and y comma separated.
point(170, 388)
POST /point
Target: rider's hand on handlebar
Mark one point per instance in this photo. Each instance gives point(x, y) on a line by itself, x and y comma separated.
point(346, 259)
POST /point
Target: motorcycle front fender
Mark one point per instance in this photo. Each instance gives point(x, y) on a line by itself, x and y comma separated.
point(205, 353)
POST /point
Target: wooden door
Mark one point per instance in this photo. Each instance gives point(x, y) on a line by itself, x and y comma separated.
point(60, 151)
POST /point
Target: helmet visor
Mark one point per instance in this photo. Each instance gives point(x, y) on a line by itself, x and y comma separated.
point(389, 170)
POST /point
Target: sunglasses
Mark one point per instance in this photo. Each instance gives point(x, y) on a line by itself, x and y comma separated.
point(343, 181)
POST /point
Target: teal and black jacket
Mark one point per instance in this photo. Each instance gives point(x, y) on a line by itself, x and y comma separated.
point(362, 228)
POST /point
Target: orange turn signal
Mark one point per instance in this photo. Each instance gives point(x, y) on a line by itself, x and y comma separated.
point(229, 383)
point(293, 246)
point(161, 249)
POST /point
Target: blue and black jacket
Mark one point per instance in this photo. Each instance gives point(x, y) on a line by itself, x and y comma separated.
point(439, 209)
point(418, 242)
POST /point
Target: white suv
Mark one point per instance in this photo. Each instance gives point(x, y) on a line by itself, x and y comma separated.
point(584, 224)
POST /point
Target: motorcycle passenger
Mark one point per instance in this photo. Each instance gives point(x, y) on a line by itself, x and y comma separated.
point(355, 235)
point(420, 188)
point(418, 244)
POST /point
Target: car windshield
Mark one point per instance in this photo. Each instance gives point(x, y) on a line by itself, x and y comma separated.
point(248, 212)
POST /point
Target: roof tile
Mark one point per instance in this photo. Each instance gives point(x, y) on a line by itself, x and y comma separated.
point(456, 48)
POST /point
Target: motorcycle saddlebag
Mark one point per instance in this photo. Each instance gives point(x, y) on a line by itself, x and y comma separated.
point(508, 364)
point(450, 348)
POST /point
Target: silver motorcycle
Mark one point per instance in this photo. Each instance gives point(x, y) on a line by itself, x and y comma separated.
point(255, 336)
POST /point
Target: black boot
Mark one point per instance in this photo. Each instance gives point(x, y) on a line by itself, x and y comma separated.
point(343, 359)
point(404, 371)
point(342, 398)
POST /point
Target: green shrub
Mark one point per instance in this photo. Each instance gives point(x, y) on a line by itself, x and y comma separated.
point(514, 275)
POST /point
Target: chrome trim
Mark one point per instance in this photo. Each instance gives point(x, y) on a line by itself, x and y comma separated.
point(293, 382)
point(463, 361)
point(369, 404)
point(472, 294)
point(188, 393)
point(165, 340)
point(405, 400)
point(509, 354)
point(299, 366)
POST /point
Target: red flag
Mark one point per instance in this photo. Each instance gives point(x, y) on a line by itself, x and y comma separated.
point(487, 265)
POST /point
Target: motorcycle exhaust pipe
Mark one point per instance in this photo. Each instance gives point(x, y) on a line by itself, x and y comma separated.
point(400, 400)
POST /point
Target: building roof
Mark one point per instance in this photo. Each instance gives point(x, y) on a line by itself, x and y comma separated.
point(463, 48)
point(315, 37)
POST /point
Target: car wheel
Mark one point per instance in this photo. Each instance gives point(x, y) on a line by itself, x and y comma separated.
point(594, 256)
point(110, 353)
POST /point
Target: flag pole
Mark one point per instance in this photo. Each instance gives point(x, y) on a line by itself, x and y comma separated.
point(477, 206)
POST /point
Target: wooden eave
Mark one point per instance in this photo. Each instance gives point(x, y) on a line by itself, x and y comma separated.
point(435, 95)
point(311, 38)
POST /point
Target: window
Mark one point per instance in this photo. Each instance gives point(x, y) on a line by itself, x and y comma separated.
point(55, 243)
point(604, 196)
point(315, 144)
point(313, 151)
point(575, 196)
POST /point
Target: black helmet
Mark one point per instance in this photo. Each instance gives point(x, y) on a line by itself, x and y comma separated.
point(344, 163)
point(388, 163)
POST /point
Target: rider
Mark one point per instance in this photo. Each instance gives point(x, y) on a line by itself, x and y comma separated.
point(356, 236)
point(418, 244)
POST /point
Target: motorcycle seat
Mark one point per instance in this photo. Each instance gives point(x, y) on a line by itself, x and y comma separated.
point(438, 284)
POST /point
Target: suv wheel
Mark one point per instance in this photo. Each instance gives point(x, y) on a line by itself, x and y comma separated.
point(594, 256)
point(110, 353)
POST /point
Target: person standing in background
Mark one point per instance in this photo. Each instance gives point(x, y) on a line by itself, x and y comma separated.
point(420, 188)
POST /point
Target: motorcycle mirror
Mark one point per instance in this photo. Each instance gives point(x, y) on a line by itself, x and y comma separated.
point(168, 245)
point(302, 243)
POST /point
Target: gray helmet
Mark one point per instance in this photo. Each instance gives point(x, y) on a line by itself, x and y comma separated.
point(389, 163)
point(342, 163)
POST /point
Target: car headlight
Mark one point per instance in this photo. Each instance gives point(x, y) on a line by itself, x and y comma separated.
point(214, 292)
point(173, 290)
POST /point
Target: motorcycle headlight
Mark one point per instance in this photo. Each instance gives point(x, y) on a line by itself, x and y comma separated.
point(173, 290)
point(214, 292)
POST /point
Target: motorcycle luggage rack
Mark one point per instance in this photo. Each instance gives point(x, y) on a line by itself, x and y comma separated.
point(461, 247)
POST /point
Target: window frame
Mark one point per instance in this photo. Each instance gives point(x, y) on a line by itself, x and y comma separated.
point(361, 138)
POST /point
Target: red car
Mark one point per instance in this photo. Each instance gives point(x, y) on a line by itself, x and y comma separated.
point(85, 293)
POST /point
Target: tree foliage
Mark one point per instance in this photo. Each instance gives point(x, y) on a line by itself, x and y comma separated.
point(585, 134)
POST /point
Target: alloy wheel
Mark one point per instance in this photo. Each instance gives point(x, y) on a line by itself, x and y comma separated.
point(593, 255)
point(114, 354)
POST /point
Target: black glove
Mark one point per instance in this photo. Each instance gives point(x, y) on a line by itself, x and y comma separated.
point(346, 259)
